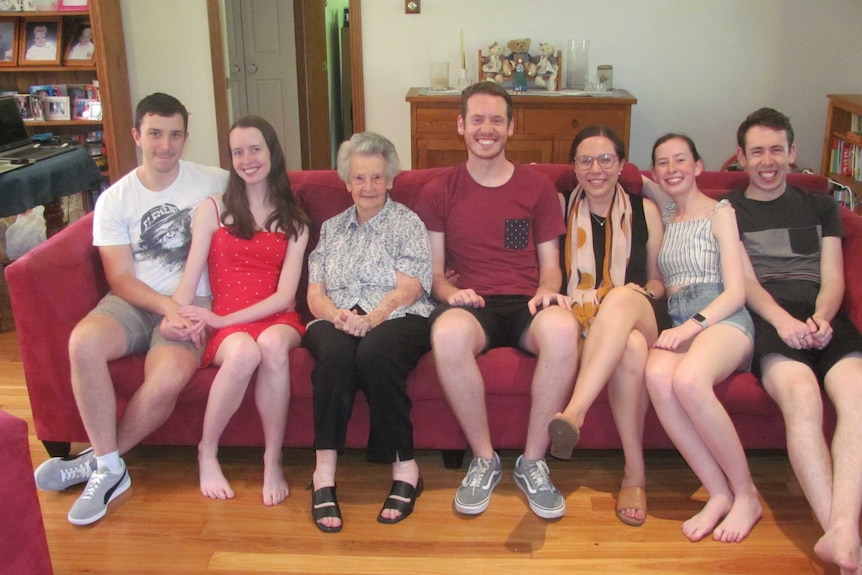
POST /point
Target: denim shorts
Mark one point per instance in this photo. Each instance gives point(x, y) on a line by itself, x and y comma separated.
point(691, 299)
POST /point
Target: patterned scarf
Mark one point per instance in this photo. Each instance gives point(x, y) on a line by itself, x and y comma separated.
point(581, 261)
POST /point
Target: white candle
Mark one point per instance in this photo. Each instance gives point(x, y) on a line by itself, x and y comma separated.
point(463, 59)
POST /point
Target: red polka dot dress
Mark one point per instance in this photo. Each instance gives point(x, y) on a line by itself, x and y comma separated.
point(242, 273)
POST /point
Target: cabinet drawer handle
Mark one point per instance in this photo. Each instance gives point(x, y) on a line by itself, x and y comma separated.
point(575, 123)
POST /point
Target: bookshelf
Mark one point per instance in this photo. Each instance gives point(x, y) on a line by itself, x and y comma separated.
point(839, 123)
point(108, 68)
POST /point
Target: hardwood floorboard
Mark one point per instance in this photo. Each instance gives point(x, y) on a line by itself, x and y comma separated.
point(162, 525)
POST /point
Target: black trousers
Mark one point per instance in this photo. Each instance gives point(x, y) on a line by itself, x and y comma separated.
point(378, 364)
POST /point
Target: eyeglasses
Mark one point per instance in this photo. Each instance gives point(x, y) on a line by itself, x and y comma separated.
point(604, 160)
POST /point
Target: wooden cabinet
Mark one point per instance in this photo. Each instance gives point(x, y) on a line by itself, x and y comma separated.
point(842, 108)
point(545, 125)
point(109, 69)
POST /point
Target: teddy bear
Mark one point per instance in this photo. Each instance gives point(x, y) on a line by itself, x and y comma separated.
point(493, 68)
point(520, 50)
point(547, 66)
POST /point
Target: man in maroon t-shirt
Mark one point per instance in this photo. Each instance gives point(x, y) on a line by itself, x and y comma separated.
point(497, 225)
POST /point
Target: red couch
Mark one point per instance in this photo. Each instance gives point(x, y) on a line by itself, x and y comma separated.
point(55, 285)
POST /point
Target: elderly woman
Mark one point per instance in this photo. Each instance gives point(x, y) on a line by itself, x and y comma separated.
point(369, 280)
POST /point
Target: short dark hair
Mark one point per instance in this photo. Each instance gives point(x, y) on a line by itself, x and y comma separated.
point(161, 105)
point(490, 88)
point(768, 118)
point(595, 131)
point(673, 136)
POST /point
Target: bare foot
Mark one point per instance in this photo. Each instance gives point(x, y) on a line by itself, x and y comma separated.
point(744, 513)
point(705, 521)
point(213, 482)
point(275, 488)
point(840, 546)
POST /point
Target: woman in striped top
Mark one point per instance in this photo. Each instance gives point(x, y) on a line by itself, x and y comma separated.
point(701, 260)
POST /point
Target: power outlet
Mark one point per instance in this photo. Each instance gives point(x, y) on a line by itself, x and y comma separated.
point(412, 7)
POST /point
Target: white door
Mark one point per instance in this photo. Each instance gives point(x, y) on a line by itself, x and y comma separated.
point(262, 66)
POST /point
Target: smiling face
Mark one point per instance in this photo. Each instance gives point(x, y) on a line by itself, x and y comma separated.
point(250, 155)
point(368, 185)
point(161, 140)
point(485, 128)
point(767, 158)
point(675, 168)
point(40, 35)
point(596, 180)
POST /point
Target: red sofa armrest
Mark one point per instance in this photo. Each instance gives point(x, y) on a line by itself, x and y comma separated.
point(51, 288)
point(852, 248)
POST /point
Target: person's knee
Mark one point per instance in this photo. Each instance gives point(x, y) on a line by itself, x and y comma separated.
point(555, 331)
point(454, 332)
point(275, 346)
point(94, 339)
point(659, 382)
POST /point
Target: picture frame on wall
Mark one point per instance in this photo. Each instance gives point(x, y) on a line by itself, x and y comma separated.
point(39, 43)
point(41, 5)
point(57, 108)
point(11, 5)
point(8, 41)
point(80, 50)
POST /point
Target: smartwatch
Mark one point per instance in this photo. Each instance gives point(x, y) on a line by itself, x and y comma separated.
point(698, 317)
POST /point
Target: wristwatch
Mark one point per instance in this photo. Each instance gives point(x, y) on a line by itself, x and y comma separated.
point(698, 317)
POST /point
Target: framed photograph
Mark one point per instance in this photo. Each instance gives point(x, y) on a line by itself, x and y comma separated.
point(39, 43)
point(80, 49)
point(88, 110)
point(24, 106)
point(73, 5)
point(57, 108)
point(8, 41)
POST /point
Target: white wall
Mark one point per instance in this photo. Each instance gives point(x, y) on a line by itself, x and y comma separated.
point(168, 50)
point(695, 66)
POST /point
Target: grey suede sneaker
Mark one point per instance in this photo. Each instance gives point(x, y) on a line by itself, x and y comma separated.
point(534, 480)
point(474, 493)
point(102, 488)
point(59, 473)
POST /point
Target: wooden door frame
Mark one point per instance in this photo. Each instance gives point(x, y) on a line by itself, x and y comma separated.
point(220, 80)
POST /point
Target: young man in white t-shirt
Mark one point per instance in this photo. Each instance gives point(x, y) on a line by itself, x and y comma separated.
point(142, 227)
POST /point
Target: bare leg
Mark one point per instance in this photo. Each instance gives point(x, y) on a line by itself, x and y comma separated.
point(840, 544)
point(552, 336)
point(272, 395)
point(629, 402)
point(238, 356)
point(96, 340)
point(680, 385)
point(456, 339)
point(622, 311)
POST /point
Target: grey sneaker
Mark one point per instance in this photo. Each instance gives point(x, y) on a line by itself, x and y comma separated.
point(482, 477)
point(102, 488)
point(535, 481)
point(59, 473)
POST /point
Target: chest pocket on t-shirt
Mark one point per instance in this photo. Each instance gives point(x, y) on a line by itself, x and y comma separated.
point(804, 241)
point(517, 233)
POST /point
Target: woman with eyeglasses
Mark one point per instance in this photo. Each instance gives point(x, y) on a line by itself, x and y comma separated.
point(611, 256)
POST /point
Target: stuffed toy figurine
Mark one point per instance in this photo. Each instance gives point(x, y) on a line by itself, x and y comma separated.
point(493, 68)
point(520, 49)
point(547, 66)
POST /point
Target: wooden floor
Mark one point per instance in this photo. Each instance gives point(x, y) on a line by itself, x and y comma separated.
point(163, 524)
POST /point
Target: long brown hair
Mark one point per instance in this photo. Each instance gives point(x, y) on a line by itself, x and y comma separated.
point(287, 215)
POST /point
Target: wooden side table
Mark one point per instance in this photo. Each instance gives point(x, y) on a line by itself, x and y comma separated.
point(545, 125)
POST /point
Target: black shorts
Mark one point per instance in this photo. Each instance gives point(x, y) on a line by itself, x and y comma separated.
point(504, 319)
point(845, 340)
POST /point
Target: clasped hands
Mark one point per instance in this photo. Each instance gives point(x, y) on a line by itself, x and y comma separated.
point(813, 333)
point(189, 323)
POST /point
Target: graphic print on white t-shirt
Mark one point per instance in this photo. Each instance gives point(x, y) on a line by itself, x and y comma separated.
point(166, 235)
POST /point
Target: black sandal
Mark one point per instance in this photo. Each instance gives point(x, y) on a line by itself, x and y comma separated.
point(324, 503)
point(408, 492)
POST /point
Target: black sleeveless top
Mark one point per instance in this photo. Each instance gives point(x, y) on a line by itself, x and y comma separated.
point(636, 271)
